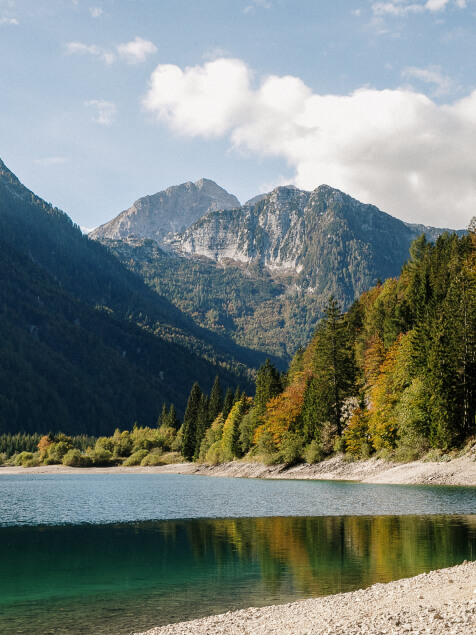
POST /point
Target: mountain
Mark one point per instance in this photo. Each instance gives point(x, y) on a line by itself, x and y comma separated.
point(86, 345)
point(320, 238)
point(262, 273)
point(395, 375)
point(170, 211)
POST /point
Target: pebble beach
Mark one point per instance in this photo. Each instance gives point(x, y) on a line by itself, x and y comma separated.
point(441, 602)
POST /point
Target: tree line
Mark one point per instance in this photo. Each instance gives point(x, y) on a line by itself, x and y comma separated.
point(395, 376)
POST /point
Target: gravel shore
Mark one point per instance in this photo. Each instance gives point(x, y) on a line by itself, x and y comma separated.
point(440, 602)
point(459, 471)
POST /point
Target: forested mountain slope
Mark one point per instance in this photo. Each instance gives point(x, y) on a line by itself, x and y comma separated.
point(262, 273)
point(395, 375)
point(86, 346)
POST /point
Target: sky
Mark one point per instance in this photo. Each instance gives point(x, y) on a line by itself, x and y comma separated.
point(105, 101)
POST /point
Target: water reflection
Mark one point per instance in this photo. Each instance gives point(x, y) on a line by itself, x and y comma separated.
point(126, 577)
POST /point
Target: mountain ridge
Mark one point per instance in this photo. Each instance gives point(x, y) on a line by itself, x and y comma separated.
point(169, 211)
point(262, 273)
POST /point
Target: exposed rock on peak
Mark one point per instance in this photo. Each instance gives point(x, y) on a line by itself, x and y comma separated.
point(323, 239)
point(170, 211)
point(260, 197)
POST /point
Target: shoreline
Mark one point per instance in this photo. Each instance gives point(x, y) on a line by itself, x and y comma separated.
point(439, 602)
point(459, 472)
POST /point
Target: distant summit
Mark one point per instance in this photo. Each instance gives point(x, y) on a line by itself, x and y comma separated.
point(328, 241)
point(171, 211)
point(262, 273)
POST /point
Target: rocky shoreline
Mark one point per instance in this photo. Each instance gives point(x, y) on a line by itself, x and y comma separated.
point(441, 602)
point(458, 471)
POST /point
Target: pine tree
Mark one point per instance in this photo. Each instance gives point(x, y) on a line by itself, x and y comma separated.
point(268, 385)
point(235, 440)
point(172, 420)
point(333, 370)
point(227, 403)
point(163, 416)
point(237, 395)
point(203, 423)
point(216, 400)
point(189, 426)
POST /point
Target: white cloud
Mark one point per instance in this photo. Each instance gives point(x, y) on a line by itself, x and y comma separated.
point(132, 52)
point(11, 21)
point(263, 4)
point(90, 49)
point(405, 7)
point(47, 162)
point(136, 51)
point(105, 111)
point(395, 148)
point(96, 12)
point(202, 100)
point(431, 75)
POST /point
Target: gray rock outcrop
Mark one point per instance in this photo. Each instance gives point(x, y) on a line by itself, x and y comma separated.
point(173, 210)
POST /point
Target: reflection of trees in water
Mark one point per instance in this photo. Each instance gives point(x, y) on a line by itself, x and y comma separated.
point(173, 570)
point(328, 554)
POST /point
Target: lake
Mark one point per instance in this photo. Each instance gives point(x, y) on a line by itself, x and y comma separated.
point(116, 553)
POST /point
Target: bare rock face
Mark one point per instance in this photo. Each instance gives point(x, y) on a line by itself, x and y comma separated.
point(171, 211)
point(261, 231)
point(315, 237)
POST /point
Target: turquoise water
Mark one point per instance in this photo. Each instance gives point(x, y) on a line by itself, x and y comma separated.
point(108, 498)
point(116, 554)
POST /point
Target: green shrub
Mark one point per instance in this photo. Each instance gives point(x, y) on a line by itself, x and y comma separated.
point(56, 451)
point(314, 452)
point(177, 443)
point(214, 454)
point(166, 436)
point(34, 462)
point(291, 448)
point(105, 443)
point(266, 450)
point(153, 458)
point(144, 438)
point(171, 457)
point(411, 451)
point(75, 458)
point(136, 458)
point(22, 458)
point(49, 461)
point(100, 457)
point(339, 444)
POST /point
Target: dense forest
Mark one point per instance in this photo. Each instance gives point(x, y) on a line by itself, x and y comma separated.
point(86, 346)
point(395, 375)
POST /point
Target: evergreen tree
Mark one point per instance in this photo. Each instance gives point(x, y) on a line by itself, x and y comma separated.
point(203, 423)
point(227, 403)
point(268, 385)
point(235, 439)
point(334, 373)
point(189, 426)
point(237, 395)
point(216, 400)
point(163, 416)
point(172, 420)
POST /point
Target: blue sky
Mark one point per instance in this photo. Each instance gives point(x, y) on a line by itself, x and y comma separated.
point(104, 101)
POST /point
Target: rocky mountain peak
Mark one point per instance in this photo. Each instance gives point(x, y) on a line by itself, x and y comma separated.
point(170, 211)
point(299, 233)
